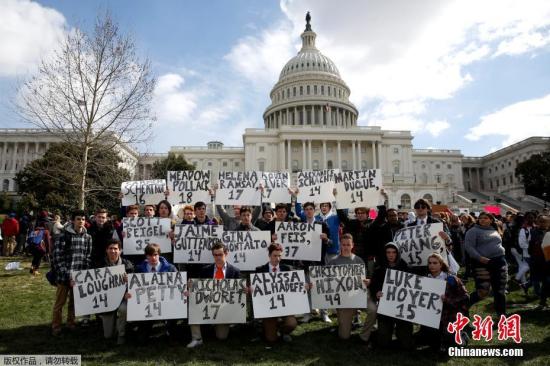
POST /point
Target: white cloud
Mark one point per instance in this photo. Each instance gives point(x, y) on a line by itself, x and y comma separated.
point(172, 103)
point(28, 32)
point(436, 127)
point(515, 122)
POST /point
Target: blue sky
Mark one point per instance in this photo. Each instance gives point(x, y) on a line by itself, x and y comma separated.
point(465, 75)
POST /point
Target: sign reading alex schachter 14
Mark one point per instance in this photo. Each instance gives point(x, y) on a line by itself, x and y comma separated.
point(214, 301)
point(316, 186)
point(417, 243)
point(239, 188)
point(188, 187)
point(98, 290)
point(159, 295)
point(140, 231)
point(143, 192)
point(412, 298)
point(339, 286)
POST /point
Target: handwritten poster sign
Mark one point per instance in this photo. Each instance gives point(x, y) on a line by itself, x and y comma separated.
point(417, 243)
point(188, 187)
point(358, 188)
point(155, 296)
point(301, 241)
point(316, 186)
point(140, 231)
point(338, 287)
point(143, 192)
point(98, 290)
point(239, 188)
point(247, 249)
point(279, 294)
point(214, 301)
point(412, 298)
point(276, 186)
point(193, 243)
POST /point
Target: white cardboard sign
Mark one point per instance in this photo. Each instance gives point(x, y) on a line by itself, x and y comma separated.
point(417, 243)
point(155, 296)
point(412, 298)
point(247, 249)
point(358, 188)
point(239, 188)
point(338, 286)
point(279, 294)
point(214, 301)
point(188, 187)
point(316, 186)
point(140, 231)
point(276, 186)
point(302, 241)
point(193, 243)
point(98, 290)
point(143, 192)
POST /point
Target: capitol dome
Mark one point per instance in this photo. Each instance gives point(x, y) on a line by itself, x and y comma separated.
point(310, 91)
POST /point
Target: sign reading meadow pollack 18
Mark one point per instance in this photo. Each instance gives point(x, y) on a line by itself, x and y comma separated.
point(279, 294)
point(98, 290)
point(247, 249)
point(413, 298)
point(143, 192)
point(339, 286)
point(140, 231)
point(417, 243)
point(358, 188)
point(316, 186)
point(188, 187)
point(214, 301)
point(158, 295)
point(193, 243)
point(239, 188)
point(276, 186)
point(302, 241)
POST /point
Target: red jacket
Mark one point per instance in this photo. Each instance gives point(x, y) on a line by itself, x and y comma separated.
point(10, 227)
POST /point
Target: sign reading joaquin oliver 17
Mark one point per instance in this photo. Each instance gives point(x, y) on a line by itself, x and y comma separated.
point(358, 188)
point(239, 188)
point(413, 298)
point(193, 243)
point(140, 231)
point(158, 295)
point(214, 301)
point(188, 187)
point(339, 286)
point(143, 192)
point(98, 290)
point(417, 243)
point(247, 249)
point(276, 186)
point(279, 294)
point(316, 186)
point(302, 241)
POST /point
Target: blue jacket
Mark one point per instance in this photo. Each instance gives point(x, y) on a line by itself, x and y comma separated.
point(165, 266)
point(333, 223)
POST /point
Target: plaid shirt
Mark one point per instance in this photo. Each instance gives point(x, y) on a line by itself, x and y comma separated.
point(75, 257)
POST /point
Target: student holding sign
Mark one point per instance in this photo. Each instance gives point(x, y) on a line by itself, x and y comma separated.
point(219, 270)
point(231, 223)
point(200, 215)
point(246, 220)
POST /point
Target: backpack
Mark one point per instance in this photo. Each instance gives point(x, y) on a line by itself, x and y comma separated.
point(35, 238)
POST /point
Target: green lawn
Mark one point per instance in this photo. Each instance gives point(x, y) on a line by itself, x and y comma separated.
point(25, 315)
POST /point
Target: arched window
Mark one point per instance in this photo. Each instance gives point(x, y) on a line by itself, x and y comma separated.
point(315, 165)
point(6, 185)
point(329, 164)
point(428, 197)
point(405, 201)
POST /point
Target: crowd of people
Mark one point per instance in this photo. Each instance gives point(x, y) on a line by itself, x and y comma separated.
point(489, 248)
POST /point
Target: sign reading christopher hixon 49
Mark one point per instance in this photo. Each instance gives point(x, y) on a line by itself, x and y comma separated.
point(140, 231)
point(417, 243)
point(98, 290)
point(188, 187)
point(413, 298)
point(239, 188)
point(339, 286)
point(316, 186)
point(143, 192)
point(276, 186)
point(214, 301)
point(279, 294)
point(358, 188)
point(302, 241)
point(193, 243)
point(158, 295)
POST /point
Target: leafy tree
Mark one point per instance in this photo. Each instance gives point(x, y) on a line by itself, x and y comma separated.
point(53, 181)
point(94, 91)
point(171, 163)
point(535, 174)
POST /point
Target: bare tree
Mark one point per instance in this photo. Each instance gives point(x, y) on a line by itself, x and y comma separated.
point(94, 92)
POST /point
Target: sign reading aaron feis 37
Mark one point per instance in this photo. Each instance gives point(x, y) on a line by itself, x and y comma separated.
point(188, 187)
point(239, 188)
point(358, 188)
point(193, 243)
point(98, 290)
point(301, 240)
point(140, 231)
point(417, 243)
point(214, 301)
point(316, 186)
point(143, 192)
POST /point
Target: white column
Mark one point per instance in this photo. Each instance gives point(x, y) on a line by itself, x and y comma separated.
point(359, 165)
point(373, 154)
point(281, 165)
point(295, 116)
point(304, 115)
point(353, 156)
point(304, 167)
point(329, 117)
point(310, 157)
point(339, 155)
point(288, 116)
point(4, 157)
point(14, 156)
point(289, 152)
point(324, 154)
point(379, 162)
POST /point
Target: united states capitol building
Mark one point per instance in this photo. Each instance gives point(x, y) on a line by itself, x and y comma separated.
point(310, 125)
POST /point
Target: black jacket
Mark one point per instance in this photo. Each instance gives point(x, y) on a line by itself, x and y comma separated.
point(266, 268)
point(100, 237)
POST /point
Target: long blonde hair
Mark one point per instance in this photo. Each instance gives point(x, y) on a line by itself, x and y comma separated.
point(444, 265)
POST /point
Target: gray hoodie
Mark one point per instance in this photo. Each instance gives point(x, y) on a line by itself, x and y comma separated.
point(483, 242)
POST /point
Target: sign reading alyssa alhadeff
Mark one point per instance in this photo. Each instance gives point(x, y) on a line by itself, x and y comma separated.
point(188, 187)
point(193, 243)
point(214, 301)
point(412, 298)
point(276, 185)
point(358, 188)
point(301, 241)
point(338, 287)
point(155, 296)
point(279, 294)
point(239, 188)
point(140, 231)
point(316, 186)
point(417, 243)
point(98, 290)
point(143, 192)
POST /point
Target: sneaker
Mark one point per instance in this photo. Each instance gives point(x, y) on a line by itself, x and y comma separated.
point(287, 338)
point(364, 337)
point(306, 318)
point(326, 319)
point(195, 343)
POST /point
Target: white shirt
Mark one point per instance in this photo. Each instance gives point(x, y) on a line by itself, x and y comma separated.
point(271, 268)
